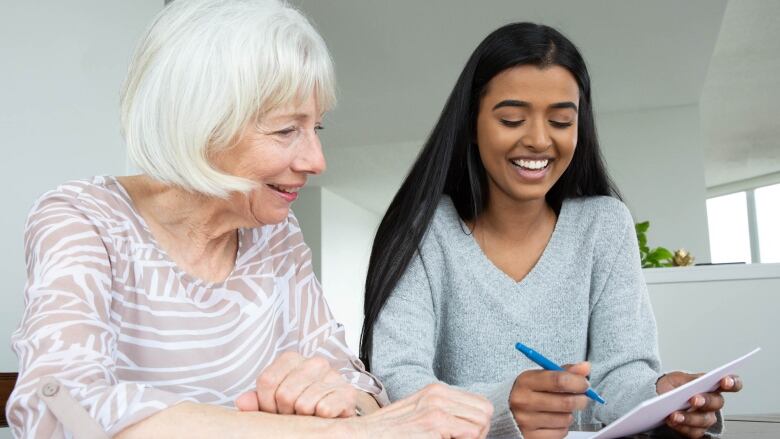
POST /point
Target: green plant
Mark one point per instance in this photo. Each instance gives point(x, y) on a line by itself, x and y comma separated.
point(657, 257)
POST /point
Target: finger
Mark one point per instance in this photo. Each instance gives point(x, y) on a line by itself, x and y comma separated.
point(703, 420)
point(692, 432)
point(307, 373)
point(554, 381)
point(732, 383)
point(306, 403)
point(545, 433)
point(544, 420)
point(550, 402)
point(247, 402)
point(707, 402)
point(434, 419)
point(335, 404)
point(582, 368)
point(269, 381)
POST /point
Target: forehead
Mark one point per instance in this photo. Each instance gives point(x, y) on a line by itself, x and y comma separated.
point(533, 84)
point(297, 109)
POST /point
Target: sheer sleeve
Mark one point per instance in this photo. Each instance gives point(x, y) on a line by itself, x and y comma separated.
point(66, 330)
point(318, 331)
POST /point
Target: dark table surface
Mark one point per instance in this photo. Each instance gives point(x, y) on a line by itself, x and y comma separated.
point(765, 426)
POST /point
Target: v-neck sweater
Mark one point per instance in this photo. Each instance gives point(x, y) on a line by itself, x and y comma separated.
point(454, 317)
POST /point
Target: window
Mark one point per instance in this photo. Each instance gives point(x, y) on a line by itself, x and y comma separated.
point(768, 221)
point(745, 226)
point(729, 232)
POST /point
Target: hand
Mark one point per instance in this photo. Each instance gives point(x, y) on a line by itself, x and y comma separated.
point(695, 422)
point(437, 411)
point(542, 401)
point(292, 384)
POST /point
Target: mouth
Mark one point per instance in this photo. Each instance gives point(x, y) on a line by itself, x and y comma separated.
point(531, 165)
point(288, 193)
point(531, 170)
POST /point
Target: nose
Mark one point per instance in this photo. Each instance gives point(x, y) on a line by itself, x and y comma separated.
point(310, 158)
point(536, 136)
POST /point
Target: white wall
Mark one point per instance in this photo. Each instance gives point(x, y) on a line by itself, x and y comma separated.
point(656, 159)
point(339, 233)
point(308, 210)
point(347, 234)
point(61, 68)
point(703, 324)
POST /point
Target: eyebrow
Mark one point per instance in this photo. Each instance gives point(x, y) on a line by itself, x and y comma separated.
point(524, 104)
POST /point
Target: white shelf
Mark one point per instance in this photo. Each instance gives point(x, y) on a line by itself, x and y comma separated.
point(711, 273)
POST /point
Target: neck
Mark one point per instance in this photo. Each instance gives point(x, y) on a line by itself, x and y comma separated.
point(187, 223)
point(514, 220)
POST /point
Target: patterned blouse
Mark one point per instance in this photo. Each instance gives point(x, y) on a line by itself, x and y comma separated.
point(129, 334)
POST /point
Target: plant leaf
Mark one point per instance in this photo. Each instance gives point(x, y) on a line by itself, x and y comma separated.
point(642, 227)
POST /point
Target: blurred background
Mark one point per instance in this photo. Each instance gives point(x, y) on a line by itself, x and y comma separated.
point(686, 101)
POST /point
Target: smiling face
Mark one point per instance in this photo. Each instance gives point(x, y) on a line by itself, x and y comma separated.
point(527, 130)
point(278, 153)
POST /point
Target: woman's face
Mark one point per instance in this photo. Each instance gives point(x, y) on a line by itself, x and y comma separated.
point(278, 153)
point(527, 130)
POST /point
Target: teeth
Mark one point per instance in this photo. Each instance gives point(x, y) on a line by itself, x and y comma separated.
point(285, 190)
point(531, 164)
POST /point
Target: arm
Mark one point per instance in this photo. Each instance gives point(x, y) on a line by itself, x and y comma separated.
point(319, 334)
point(622, 338)
point(207, 421)
point(405, 344)
point(66, 329)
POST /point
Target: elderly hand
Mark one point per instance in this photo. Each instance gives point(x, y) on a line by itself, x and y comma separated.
point(542, 401)
point(437, 411)
point(293, 384)
point(695, 422)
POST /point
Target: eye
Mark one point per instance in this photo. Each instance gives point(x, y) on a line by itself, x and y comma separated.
point(286, 132)
point(557, 124)
point(318, 127)
point(512, 123)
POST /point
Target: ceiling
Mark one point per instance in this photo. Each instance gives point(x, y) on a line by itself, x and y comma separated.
point(739, 102)
point(396, 62)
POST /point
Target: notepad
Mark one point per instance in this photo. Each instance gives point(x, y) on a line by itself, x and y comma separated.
point(652, 413)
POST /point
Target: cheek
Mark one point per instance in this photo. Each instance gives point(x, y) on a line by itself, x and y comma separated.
point(567, 143)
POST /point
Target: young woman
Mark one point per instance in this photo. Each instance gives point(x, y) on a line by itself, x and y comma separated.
point(508, 229)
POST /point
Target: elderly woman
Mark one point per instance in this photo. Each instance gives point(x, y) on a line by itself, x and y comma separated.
point(156, 302)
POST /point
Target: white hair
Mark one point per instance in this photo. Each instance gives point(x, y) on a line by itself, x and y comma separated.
point(205, 69)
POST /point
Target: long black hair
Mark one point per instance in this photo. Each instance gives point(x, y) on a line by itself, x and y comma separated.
point(449, 163)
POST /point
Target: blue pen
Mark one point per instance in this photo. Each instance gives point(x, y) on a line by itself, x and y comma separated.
point(546, 364)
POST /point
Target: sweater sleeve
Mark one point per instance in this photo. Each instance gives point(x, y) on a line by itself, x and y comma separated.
point(318, 331)
point(404, 346)
point(622, 338)
point(66, 330)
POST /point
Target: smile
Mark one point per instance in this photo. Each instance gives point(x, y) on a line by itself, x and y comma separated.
point(287, 193)
point(533, 165)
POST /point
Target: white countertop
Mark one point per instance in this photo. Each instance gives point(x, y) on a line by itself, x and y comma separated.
point(711, 273)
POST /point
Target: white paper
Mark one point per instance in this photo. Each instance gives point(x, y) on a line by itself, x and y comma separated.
point(652, 413)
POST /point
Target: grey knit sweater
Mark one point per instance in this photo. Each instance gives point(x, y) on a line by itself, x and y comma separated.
point(455, 317)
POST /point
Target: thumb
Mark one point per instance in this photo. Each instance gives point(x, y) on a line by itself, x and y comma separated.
point(247, 402)
point(581, 368)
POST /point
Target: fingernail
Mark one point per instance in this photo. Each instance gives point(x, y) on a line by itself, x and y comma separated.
point(677, 418)
point(698, 401)
point(729, 382)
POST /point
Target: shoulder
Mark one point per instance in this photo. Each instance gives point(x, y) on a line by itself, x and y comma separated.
point(97, 198)
point(76, 217)
point(599, 214)
point(445, 220)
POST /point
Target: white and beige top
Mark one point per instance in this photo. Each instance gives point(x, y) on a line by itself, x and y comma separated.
point(128, 333)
